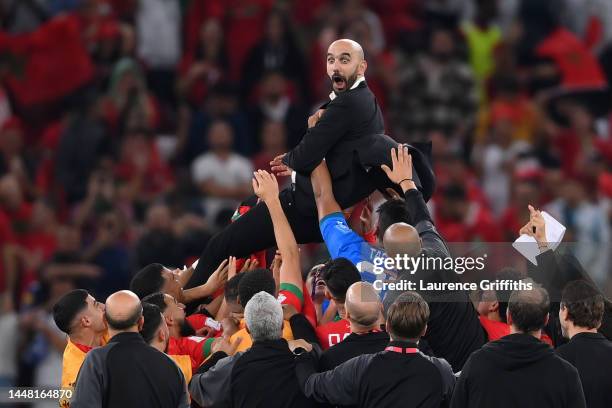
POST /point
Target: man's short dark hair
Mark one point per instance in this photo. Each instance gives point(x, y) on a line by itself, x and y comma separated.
point(254, 282)
point(339, 274)
point(584, 303)
point(123, 324)
point(158, 299)
point(391, 212)
point(231, 288)
point(529, 308)
point(148, 280)
point(407, 316)
point(68, 307)
point(152, 321)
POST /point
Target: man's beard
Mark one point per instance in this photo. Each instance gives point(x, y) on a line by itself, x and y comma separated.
point(185, 329)
point(349, 82)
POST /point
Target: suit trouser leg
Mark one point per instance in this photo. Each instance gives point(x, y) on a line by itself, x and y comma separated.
point(253, 232)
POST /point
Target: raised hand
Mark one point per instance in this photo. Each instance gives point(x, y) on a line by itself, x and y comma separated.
point(265, 186)
point(401, 161)
point(218, 277)
point(279, 168)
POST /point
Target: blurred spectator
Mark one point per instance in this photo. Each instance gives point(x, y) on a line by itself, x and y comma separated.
point(109, 251)
point(158, 25)
point(46, 342)
point(482, 36)
point(587, 227)
point(381, 64)
point(459, 219)
point(129, 103)
point(8, 341)
point(82, 143)
point(497, 158)
point(167, 237)
point(579, 145)
point(223, 176)
point(13, 159)
point(273, 143)
point(246, 23)
point(436, 92)
point(509, 103)
point(221, 104)
point(206, 66)
point(141, 170)
point(274, 103)
point(158, 243)
point(318, 79)
point(23, 16)
point(277, 51)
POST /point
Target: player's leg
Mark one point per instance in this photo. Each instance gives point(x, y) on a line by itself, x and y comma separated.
point(250, 233)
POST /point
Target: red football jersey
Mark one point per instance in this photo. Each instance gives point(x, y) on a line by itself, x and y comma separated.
point(333, 333)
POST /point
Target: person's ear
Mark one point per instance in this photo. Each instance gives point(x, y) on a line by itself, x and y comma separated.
point(424, 331)
point(140, 323)
point(508, 317)
point(161, 335)
point(494, 306)
point(546, 320)
point(563, 313)
point(85, 321)
point(363, 66)
point(169, 319)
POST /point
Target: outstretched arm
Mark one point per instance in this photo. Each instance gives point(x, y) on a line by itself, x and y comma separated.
point(323, 192)
point(266, 188)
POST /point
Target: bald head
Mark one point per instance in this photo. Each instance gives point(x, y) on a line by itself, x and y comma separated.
point(345, 64)
point(347, 45)
point(401, 238)
point(123, 311)
point(363, 306)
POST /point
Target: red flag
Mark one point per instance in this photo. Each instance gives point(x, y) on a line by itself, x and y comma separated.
point(52, 61)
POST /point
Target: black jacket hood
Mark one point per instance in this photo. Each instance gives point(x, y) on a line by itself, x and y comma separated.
point(517, 351)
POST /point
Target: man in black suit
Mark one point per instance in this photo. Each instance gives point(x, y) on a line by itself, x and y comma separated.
point(348, 133)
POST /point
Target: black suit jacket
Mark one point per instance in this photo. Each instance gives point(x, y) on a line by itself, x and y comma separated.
point(349, 135)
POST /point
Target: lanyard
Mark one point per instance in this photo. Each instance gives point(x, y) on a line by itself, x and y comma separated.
point(408, 350)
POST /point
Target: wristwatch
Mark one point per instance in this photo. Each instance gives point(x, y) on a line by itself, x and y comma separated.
point(299, 351)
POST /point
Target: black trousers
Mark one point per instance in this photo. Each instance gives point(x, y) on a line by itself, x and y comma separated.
point(253, 232)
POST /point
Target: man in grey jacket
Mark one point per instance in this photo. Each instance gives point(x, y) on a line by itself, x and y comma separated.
point(127, 372)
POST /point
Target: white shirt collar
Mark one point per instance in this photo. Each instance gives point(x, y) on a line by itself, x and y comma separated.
point(359, 80)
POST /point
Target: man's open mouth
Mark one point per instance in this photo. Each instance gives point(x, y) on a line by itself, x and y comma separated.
point(339, 82)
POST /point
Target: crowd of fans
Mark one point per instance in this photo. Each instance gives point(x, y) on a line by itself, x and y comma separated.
point(129, 132)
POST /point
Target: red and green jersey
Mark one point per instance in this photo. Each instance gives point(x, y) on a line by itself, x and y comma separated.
point(289, 294)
